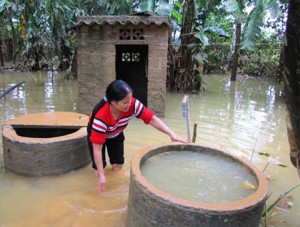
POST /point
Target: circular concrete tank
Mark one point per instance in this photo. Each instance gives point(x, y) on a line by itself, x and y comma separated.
point(44, 144)
point(151, 207)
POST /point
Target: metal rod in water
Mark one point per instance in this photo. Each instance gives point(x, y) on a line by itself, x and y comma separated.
point(186, 114)
point(194, 133)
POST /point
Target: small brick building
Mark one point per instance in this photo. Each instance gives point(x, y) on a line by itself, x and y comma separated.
point(133, 48)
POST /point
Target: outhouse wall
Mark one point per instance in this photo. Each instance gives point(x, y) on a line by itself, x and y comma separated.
point(96, 62)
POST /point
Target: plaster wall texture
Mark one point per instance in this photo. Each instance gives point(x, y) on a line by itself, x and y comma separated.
point(97, 61)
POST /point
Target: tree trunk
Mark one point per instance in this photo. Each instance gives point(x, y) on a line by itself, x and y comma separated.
point(1, 53)
point(14, 41)
point(235, 63)
point(183, 78)
point(292, 72)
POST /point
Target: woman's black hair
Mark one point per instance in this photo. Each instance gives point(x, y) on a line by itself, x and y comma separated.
point(115, 91)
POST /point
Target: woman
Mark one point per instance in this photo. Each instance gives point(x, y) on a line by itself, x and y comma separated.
point(107, 122)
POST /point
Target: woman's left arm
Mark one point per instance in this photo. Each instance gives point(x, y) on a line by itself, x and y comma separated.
point(161, 126)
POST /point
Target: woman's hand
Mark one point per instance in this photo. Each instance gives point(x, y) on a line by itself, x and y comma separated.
point(97, 149)
point(161, 126)
point(101, 183)
point(175, 138)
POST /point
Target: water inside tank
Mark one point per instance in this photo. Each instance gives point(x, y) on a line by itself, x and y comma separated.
point(196, 176)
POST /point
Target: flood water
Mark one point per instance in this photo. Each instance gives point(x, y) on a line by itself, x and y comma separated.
point(246, 118)
point(197, 178)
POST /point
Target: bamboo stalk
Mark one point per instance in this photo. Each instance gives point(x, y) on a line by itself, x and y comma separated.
point(10, 89)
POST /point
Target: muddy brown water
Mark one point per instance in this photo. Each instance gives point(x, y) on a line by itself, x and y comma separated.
point(244, 117)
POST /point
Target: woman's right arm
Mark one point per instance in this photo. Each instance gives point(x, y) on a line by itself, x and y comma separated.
point(99, 163)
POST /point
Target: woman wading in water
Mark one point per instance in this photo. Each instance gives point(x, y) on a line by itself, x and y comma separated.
point(107, 123)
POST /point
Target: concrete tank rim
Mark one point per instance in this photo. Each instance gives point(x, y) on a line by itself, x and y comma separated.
point(9, 133)
point(55, 118)
point(46, 120)
point(258, 197)
point(53, 154)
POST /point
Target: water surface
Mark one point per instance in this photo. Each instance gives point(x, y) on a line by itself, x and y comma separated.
point(244, 117)
point(199, 176)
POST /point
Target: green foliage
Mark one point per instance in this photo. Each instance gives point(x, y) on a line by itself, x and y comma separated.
point(176, 20)
point(118, 7)
point(50, 25)
point(236, 8)
point(161, 7)
point(283, 203)
point(270, 210)
point(147, 5)
point(205, 56)
point(216, 61)
point(262, 62)
point(219, 32)
point(43, 29)
point(176, 12)
point(8, 8)
point(254, 20)
point(164, 8)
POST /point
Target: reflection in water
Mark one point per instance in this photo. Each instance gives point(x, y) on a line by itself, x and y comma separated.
point(243, 117)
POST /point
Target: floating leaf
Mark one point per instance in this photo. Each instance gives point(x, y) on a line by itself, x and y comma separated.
point(247, 185)
point(274, 161)
point(264, 154)
point(285, 204)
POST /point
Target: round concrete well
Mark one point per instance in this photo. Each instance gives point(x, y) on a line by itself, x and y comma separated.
point(149, 206)
point(44, 144)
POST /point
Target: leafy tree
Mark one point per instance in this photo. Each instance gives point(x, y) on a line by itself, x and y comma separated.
point(264, 61)
point(42, 32)
point(194, 38)
point(219, 31)
point(42, 28)
point(252, 22)
point(8, 10)
point(47, 32)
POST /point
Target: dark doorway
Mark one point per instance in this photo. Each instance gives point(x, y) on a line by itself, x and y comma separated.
point(131, 66)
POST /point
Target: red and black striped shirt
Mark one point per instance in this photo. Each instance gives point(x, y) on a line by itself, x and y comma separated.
point(105, 126)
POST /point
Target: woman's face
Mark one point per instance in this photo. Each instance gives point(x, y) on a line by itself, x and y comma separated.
point(124, 104)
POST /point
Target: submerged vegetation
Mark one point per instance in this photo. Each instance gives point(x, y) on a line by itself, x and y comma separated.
point(282, 204)
point(207, 36)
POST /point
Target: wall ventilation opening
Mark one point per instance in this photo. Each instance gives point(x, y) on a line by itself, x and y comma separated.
point(131, 34)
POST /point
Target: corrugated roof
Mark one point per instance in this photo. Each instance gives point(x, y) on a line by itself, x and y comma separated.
point(145, 18)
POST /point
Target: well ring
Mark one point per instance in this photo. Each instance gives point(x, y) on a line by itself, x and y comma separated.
point(149, 206)
point(43, 144)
